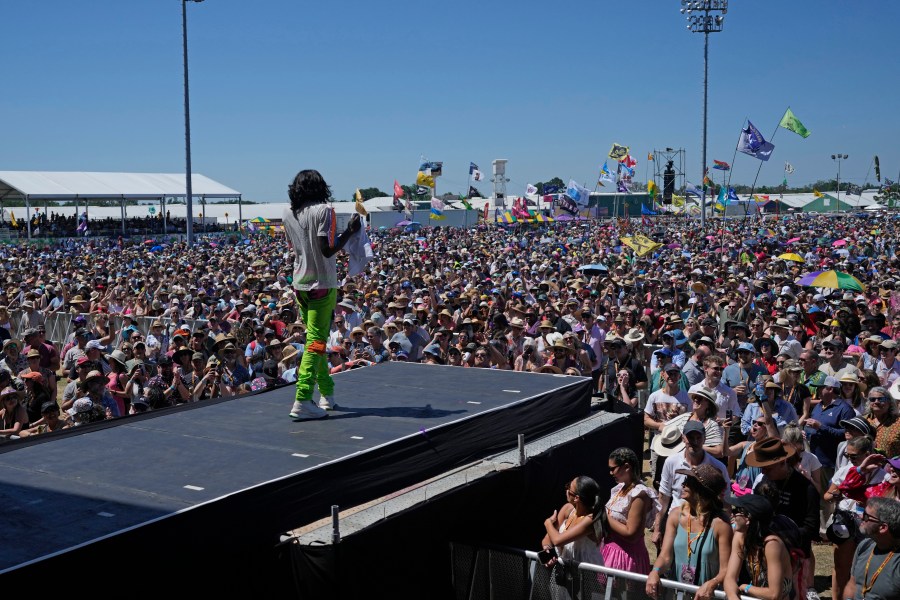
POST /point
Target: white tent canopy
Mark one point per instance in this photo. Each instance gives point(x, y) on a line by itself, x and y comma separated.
point(55, 185)
point(32, 186)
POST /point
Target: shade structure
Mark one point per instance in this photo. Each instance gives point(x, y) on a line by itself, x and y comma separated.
point(836, 280)
point(259, 220)
point(791, 256)
point(506, 217)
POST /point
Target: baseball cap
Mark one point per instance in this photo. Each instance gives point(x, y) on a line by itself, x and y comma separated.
point(694, 426)
point(93, 345)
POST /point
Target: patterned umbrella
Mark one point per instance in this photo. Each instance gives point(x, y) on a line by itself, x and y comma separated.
point(836, 280)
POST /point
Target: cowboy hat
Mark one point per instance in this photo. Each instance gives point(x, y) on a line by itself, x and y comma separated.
point(221, 340)
point(769, 452)
point(288, 353)
point(709, 477)
point(852, 378)
point(634, 335)
point(668, 441)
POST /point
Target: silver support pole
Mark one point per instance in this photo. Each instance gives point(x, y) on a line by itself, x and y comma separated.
point(335, 525)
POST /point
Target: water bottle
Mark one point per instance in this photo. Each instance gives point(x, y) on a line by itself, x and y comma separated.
point(760, 391)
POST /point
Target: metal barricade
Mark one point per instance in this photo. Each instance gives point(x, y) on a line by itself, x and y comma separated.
point(499, 572)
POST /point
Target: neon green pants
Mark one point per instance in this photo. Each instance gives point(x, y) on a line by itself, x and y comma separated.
point(314, 369)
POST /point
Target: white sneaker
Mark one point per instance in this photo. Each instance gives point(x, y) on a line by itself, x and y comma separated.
point(812, 594)
point(326, 402)
point(307, 411)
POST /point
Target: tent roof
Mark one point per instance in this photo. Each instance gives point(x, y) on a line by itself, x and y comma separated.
point(71, 185)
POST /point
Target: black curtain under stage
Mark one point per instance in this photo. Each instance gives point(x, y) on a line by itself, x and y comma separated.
point(408, 555)
point(231, 545)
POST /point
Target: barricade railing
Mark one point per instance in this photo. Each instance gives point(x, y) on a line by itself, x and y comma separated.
point(60, 325)
point(487, 571)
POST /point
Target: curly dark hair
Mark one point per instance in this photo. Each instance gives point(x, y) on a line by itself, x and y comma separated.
point(308, 187)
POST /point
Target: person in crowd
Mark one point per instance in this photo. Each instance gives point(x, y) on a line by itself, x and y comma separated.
point(853, 391)
point(697, 537)
point(848, 490)
point(574, 531)
point(693, 439)
point(888, 367)
point(757, 552)
point(782, 411)
point(631, 508)
point(742, 375)
point(823, 428)
point(726, 398)
point(48, 422)
point(13, 416)
point(875, 571)
point(310, 225)
point(884, 417)
point(795, 495)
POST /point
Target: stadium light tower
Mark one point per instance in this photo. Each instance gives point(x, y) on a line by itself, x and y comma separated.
point(839, 158)
point(187, 130)
point(702, 18)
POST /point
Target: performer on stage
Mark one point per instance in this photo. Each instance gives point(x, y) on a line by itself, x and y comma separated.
point(310, 226)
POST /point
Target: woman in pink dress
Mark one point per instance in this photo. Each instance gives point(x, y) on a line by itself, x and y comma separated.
point(631, 508)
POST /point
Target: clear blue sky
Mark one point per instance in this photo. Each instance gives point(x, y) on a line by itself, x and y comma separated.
point(360, 90)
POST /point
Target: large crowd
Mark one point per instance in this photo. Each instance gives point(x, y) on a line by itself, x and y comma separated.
point(762, 397)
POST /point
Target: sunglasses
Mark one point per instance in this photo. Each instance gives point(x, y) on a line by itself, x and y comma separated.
point(878, 399)
point(480, 355)
point(867, 517)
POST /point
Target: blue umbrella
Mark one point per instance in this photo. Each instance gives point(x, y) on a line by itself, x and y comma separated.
point(596, 269)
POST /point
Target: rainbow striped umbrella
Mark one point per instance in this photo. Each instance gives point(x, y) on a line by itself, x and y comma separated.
point(836, 280)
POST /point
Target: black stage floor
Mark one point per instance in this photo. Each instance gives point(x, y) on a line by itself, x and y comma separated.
point(228, 477)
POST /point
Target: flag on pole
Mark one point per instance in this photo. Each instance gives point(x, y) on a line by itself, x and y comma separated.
point(788, 168)
point(792, 123)
point(877, 169)
point(721, 165)
point(628, 161)
point(474, 173)
point(465, 202)
point(652, 189)
point(692, 190)
point(618, 152)
point(474, 193)
point(581, 195)
point(605, 175)
point(707, 182)
point(437, 210)
point(678, 200)
point(424, 180)
point(550, 188)
point(854, 189)
point(649, 156)
point(12, 220)
point(817, 193)
point(754, 144)
point(722, 199)
point(732, 195)
point(530, 190)
point(622, 188)
point(628, 170)
point(398, 190)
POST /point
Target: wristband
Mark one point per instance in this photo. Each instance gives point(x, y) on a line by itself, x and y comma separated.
point(656, 568)
point(747, 588)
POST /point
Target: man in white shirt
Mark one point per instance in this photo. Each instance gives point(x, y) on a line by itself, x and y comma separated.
point(693, 438)
point(665, 403)
point(781, 333)
point(726, 397)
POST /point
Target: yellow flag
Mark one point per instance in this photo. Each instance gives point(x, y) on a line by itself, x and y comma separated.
point(642, 245)
point(359, 204)
point(426, 180)
point(677, 200)
point(817, 193)
point(12, 220)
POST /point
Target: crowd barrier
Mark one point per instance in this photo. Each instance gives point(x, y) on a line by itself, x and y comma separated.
point(60, 325)
point(487, 572)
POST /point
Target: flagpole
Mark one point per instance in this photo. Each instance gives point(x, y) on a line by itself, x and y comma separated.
point(753, 187)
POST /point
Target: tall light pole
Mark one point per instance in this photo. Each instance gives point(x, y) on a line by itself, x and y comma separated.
point(839, 158)
point(704, 22)
point(187, 130)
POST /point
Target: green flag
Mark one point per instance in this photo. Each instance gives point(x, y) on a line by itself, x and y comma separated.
point(465, 202)
point(789, 121)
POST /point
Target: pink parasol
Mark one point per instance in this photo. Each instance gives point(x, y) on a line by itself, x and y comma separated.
point(794, 239)
point(837, 243)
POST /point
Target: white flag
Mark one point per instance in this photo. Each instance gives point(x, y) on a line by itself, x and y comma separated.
point(476, 175)
point(530, 190)
point(788, 168)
